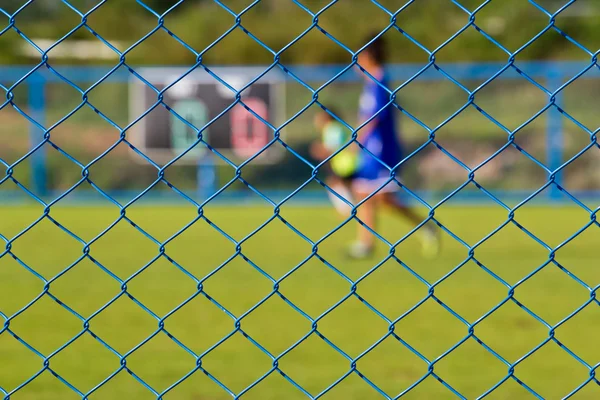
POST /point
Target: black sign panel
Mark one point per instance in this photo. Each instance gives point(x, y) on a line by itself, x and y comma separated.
point(236, 133)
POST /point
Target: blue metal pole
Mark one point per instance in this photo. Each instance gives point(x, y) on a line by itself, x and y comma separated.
point(37, 105)
point(206, 176)
point(554, 136)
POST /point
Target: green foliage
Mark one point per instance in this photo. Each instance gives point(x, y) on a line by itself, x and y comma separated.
point(277, 23)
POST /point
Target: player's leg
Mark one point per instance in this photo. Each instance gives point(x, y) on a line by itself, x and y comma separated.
point(372, 181)
point(369, 182)
point(429, 234)
point(391, 200)
point(367, 213)
point(342, 189)
point(366, 182)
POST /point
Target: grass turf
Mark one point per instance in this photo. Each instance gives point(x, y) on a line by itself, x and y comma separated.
point(314, 288)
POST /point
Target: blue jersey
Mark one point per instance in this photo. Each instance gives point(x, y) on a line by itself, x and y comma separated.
point(382, 141)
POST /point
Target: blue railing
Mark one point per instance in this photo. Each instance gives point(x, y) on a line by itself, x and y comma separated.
point(551, 74)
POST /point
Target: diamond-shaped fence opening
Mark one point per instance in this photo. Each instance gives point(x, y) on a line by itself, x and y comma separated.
point(165, 174)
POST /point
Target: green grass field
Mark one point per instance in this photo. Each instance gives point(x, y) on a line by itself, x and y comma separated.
point(470, 369)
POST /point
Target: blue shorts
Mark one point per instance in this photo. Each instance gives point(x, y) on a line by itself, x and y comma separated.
point(373, 175)
point(372, 170)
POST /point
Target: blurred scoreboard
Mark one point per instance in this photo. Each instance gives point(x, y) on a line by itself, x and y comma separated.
point(234, 131)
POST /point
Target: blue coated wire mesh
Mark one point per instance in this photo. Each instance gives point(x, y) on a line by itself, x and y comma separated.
point(237, 325)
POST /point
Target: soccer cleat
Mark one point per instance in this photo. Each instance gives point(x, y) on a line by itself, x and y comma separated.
point(430, 242)
point(360, 251)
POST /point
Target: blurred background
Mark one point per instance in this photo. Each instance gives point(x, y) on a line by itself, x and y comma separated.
point(470, 58)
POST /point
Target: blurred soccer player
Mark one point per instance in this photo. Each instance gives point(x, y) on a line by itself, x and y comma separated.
point(380, 138)
point(343, 165)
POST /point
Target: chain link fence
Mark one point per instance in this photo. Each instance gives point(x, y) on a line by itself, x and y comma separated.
point(85, 137)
